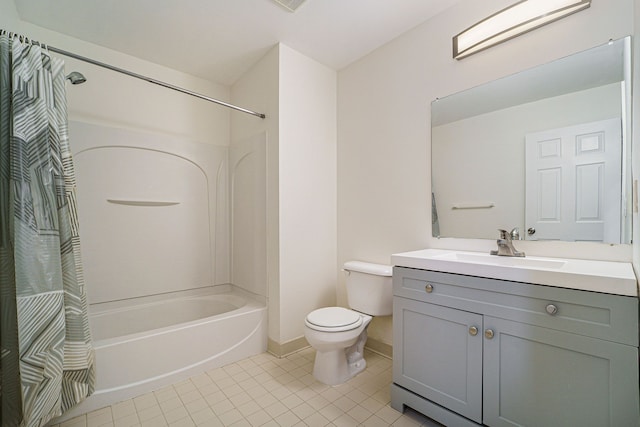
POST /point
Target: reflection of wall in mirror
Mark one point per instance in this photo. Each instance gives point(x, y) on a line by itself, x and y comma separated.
point(481, 158)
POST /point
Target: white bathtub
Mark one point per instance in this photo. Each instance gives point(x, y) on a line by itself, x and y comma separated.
point(143, 344)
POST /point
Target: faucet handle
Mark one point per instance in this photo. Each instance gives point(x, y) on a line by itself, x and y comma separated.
point(504, 234)
point(515, 233)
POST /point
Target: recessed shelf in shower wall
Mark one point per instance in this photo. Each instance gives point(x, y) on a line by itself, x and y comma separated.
point(142, 202)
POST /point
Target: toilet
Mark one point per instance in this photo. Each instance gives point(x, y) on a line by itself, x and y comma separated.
point(338, 334)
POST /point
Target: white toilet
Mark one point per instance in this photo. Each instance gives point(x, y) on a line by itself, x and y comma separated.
point(338, 334)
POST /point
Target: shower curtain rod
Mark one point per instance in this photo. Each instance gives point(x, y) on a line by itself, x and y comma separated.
point(151, 80)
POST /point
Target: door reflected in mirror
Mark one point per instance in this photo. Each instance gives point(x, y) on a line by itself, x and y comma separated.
point(545, 150)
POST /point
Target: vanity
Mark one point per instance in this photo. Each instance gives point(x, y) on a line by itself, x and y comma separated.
point(501, 341)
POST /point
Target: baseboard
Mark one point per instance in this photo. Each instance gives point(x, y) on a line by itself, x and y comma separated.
point(379, 347)
point(290, 347)
point(287, 348)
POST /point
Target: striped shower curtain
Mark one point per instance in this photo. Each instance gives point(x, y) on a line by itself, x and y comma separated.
point(46, 357)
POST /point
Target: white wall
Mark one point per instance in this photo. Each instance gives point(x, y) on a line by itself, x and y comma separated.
point(308, 192)
point(9, 16)
point(298, 95)
point(384, 147)
point(115, 99)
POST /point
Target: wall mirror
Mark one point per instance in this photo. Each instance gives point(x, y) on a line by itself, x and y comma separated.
point(546, 150)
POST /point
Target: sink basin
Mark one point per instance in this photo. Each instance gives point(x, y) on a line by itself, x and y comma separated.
point(503, 260)
point(589, 275)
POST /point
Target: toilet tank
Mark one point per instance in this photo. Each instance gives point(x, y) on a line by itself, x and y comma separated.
point(369, 288)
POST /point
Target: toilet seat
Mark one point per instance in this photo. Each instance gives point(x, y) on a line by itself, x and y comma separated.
point(333, 319)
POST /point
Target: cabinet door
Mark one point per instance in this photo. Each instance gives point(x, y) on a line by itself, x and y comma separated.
point(438, 355)
point(537, 376)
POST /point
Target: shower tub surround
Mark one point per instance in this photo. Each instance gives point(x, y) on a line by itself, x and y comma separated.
point(161, 219)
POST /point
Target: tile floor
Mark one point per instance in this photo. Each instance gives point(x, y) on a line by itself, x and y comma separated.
point(263, 391)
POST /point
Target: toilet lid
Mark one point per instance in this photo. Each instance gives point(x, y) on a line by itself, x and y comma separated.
point(333, 319)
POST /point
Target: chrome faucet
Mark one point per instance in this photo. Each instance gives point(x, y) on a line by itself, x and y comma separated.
point(505, 245)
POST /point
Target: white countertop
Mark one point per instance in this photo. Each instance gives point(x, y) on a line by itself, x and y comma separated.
point(608, 277)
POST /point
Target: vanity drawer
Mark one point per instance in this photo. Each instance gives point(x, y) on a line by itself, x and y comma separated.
point(609, 317)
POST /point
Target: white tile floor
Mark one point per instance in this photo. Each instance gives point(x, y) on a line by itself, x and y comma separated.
point(263, 391)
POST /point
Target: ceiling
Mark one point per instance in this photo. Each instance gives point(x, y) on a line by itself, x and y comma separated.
point(219, 40)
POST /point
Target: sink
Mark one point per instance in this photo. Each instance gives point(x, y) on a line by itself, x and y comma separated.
point(503, 260)
point(589, 275)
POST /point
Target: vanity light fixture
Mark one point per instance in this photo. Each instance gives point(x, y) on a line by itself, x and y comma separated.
point(508, 23)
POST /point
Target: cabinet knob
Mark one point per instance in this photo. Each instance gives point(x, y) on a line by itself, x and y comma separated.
point(473, 331)
point(429, 288)
point(551, 309)
point(488, 333)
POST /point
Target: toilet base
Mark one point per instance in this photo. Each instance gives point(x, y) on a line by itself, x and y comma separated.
point(336, 367)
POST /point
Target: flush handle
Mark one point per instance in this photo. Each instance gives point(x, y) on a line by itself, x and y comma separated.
point(429, 288)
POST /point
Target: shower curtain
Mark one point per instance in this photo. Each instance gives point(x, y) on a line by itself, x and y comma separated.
point(46, 356)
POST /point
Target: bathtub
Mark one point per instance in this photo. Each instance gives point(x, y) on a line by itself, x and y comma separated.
point(143, 344)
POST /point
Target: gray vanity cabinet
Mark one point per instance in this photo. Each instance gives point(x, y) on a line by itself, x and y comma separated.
point(473, 351)
point(542, 377)
point(441, 359)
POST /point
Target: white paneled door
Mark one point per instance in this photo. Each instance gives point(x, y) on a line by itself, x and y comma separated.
point(574, 183)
